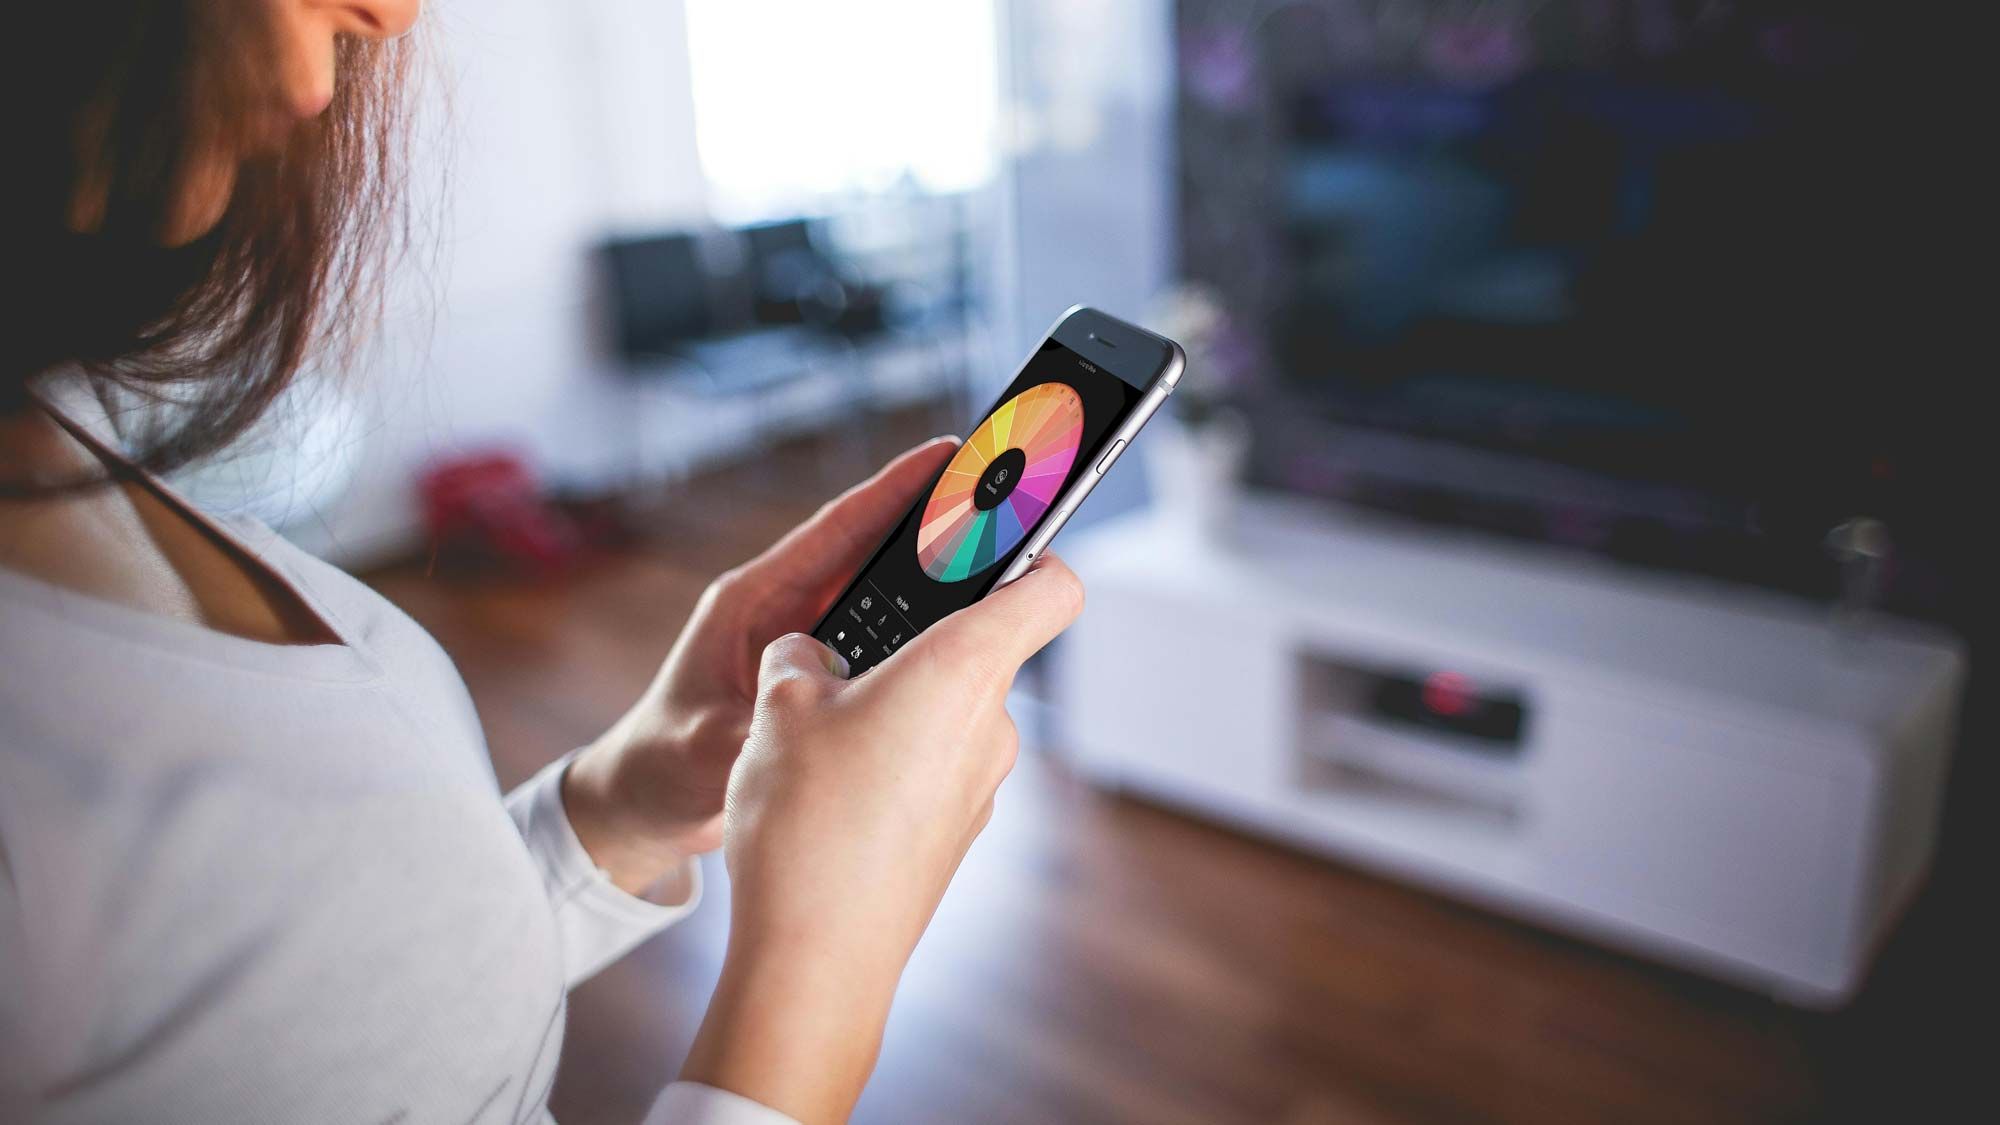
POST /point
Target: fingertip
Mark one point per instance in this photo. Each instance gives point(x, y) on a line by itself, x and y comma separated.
point(1059, 581)
point(933, 445)
point(920, 459)
point(937, 447)
point(797, 651)
point(1015, 621)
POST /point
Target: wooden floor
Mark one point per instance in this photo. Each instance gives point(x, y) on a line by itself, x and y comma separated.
point(1101, 960)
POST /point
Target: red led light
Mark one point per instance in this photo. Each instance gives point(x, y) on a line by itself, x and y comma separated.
point(1449, 694)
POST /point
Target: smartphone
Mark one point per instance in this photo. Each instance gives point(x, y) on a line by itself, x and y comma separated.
point(1076, 406)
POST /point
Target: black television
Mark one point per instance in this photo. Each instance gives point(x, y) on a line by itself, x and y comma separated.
point(1652, 291)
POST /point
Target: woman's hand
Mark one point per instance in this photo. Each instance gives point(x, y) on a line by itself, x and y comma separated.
point(649, 793)
point(847, 816)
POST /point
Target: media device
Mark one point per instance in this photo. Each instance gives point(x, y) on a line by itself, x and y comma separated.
point(1076, 405)
point(1654, 282)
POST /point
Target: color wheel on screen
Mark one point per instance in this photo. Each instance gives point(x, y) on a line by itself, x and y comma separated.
point(1000, 482)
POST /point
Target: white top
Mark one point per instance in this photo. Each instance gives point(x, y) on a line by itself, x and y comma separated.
point(261, 883)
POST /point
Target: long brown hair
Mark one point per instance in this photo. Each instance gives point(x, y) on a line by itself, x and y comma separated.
point(122, 96)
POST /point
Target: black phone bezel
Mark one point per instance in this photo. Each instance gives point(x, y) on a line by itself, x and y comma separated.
point(1132, 354)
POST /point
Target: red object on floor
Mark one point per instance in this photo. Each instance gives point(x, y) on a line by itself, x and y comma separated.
point(490, 507)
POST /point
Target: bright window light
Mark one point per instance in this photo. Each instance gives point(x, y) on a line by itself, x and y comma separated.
point(800, 104)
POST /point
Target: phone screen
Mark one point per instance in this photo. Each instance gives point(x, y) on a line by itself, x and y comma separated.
point(1048, 428)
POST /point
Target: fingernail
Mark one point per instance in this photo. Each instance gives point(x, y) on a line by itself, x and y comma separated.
point(952, 438)
point(837, 664)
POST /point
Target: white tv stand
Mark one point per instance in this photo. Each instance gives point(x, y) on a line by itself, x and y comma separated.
point(1712, 776)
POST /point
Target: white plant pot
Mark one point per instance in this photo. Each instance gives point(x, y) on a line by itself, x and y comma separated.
point(1196, 473)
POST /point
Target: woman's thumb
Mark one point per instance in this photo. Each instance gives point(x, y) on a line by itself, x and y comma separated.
point(796, 655)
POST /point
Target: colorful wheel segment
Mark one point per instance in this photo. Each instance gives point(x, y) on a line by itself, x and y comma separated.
point(1001, 481)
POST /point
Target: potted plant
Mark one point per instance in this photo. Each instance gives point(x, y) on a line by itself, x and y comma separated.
point(1196, 459)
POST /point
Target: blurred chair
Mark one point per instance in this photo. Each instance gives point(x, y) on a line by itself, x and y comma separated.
point(660, 295)
point(683, 323)
point(745, 314)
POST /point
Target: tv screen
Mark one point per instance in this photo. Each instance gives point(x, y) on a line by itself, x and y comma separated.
point(1650, 293)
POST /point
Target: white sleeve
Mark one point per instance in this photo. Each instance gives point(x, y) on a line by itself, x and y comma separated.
point(691, 1103)
point(16, 1085)
point(598, 922)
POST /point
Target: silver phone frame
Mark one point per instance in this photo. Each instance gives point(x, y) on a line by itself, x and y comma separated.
point(1117, 442)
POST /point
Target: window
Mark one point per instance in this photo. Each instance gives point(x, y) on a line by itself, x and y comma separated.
point(800, 104)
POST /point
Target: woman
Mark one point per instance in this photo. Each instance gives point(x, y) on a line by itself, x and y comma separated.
point(253, 862)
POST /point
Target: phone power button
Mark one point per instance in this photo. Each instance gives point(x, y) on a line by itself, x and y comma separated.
point(1110, 455)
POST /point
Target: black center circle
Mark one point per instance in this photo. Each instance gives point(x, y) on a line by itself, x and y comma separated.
point(1001, 475)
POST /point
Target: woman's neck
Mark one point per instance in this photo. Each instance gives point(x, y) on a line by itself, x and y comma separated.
point(125, 542)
